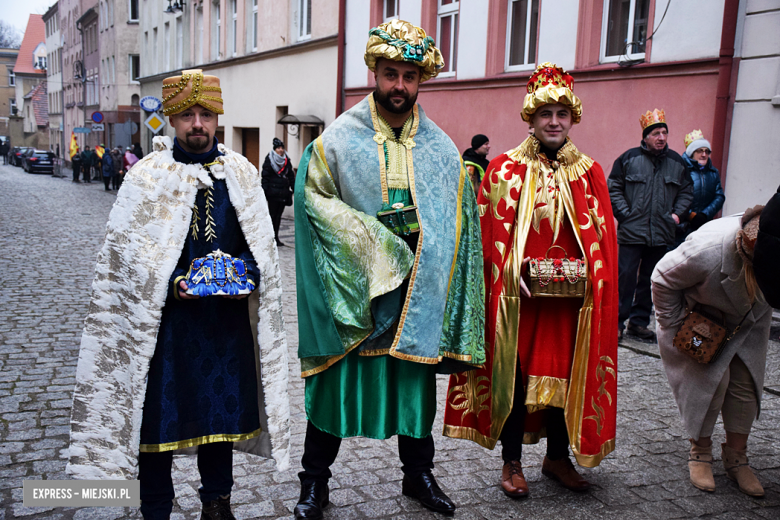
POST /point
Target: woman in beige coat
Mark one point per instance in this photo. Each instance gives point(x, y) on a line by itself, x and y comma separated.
point(712, 271)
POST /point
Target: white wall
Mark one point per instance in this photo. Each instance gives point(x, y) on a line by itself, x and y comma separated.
point(690, 31)
point(472, 39)
point(358, 25)
point(558, 17)
point(753, 175)
point(411, 11)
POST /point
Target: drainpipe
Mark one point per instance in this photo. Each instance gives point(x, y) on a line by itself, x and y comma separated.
point(341, 45)
point(722, 97)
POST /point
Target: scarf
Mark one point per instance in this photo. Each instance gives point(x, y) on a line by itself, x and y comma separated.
point(277, 161)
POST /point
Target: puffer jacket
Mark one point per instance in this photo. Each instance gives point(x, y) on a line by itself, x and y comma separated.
point(645, 190)
point(278, 186)
point(708, 195)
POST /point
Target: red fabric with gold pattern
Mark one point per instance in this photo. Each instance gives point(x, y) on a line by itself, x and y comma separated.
point(474, 398)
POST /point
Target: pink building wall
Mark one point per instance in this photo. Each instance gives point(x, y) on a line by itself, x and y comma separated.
point(612, 98)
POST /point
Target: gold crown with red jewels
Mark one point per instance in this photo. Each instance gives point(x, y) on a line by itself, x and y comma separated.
point(693, 136)
point(652, 118)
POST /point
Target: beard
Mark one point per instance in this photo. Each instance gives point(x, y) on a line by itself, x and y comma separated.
point(198, 141)
point(383, 98)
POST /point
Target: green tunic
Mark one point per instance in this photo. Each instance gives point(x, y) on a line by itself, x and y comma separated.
point(374, 396)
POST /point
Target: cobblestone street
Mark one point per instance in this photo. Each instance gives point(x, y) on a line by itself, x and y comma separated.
point(50, 232)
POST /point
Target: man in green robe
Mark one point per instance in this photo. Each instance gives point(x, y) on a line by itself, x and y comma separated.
point(384, 305)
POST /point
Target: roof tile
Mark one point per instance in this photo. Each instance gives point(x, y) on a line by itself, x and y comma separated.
point(34, 35)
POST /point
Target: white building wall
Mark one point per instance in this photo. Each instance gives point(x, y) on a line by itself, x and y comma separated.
point(472, 39)
point(753, 177)
point(411, 11)
point(357, 27)
point(558, 17)
point(690, 31)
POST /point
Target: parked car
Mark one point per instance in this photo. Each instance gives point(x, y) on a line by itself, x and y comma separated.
point(15, 157)
point(38, 161)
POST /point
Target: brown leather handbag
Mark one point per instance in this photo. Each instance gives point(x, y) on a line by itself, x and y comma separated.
point(702, 337)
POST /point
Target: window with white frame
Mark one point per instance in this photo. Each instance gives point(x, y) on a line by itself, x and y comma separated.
point(11, 78)
point(167, 46)
point(133, 10)
point(216, 45)
point(199, 29)
point(111, 12)
point(522, 25)
point(233, 27)
point(390, 10)
point(12, 103)
point(254, 24)
point(447, 34)
point(134, 67)
point(113, 70)
point(179, 43)
point(624, 29)
point(304, 19)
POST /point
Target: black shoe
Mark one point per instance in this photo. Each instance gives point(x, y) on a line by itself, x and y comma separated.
point(279, 243)
point(314, 498)
point(640, 332)
point(424, 488)
point(217, 510)
point(620, 334)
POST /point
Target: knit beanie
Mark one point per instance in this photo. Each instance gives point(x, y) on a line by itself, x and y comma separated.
point(746, 237)
point(695, 145)
point(277, 143)
point(653, 127)
point(478, 140)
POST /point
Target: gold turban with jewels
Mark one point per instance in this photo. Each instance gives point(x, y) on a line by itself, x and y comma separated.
point(548, 85)
point(189, 89)
point(398, 40)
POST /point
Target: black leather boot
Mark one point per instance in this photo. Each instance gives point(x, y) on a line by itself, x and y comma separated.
point(314, 498)
point(217, 510)
point(424, 488)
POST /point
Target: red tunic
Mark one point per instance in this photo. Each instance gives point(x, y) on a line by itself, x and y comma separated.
point(567, 347)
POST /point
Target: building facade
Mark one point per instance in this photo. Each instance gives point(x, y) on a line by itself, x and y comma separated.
point(118, 92)
point(7, 89)
point(712, 65)
point(30, 73)
point(54, 79)
point(274, 58)
point(754, 154)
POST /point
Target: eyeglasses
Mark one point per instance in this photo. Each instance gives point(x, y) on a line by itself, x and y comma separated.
point(703, 151)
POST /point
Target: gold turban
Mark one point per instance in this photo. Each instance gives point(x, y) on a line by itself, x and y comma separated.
point(548, 85)
point(398, 40)
point(191, 88)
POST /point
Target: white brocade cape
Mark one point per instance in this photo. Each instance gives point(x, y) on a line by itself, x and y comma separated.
point(145, 235)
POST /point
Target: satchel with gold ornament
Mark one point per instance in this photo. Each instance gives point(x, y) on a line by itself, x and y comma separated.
point(557, 277)
point(701, 336)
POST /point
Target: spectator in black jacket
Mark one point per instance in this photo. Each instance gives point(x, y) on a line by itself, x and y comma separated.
point(650, 189)
point(278, 180)
point(708, 197)
point(767, 251)
point(87, 159)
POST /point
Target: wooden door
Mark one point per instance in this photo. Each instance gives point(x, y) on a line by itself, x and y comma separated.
point(250, 145)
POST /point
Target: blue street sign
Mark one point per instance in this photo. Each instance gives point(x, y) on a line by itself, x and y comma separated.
point(82, 130)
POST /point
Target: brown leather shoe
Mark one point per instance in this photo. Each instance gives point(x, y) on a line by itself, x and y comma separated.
point(513, 482)
point(563, 471)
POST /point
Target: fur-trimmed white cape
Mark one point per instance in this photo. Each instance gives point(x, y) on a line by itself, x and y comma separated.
point(145, 235)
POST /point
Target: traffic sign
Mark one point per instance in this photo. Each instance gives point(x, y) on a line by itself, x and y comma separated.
point(97, 117)
point(155, 123)
point(97, 128)
point(150, 103)
point(82, 130)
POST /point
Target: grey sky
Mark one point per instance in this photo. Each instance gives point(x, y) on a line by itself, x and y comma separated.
point(17, 12)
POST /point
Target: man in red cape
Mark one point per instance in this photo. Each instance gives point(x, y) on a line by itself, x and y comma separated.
point(551, 365)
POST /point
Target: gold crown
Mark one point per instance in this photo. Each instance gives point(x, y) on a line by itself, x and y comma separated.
point(548, 85)
point(191, 89)
point(693, 136)
point(652, 118)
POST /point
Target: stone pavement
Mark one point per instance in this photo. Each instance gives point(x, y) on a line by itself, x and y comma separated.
point(50, 231)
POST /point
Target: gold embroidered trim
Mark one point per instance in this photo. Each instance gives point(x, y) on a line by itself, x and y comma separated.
point(210, 232)
point(458, 223)
point(333, 360)
point(194, 229)
point(197, 441)
point(464, 432)
point(591, 461)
